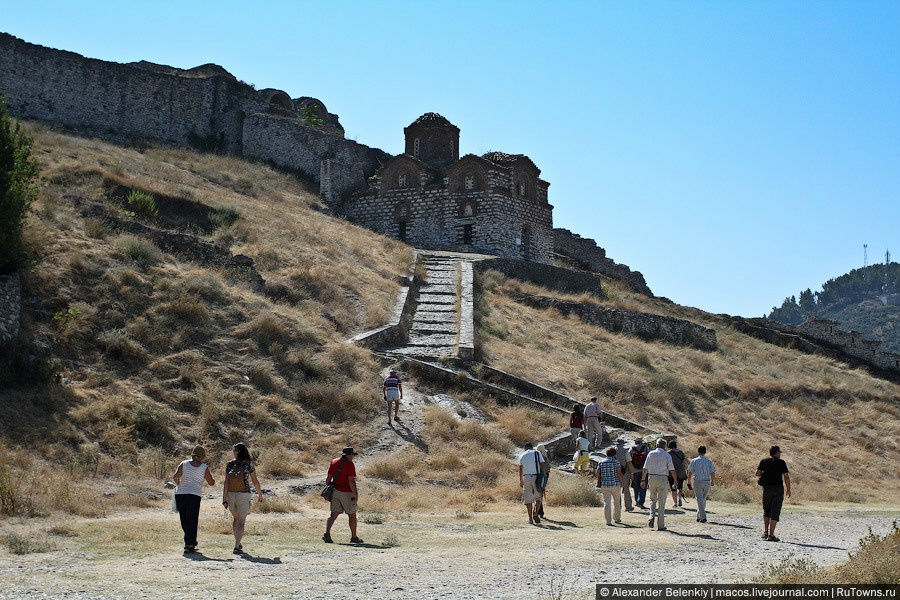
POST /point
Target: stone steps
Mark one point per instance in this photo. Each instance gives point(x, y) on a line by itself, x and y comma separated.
point(435, 325)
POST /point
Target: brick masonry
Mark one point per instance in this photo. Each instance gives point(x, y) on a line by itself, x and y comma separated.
point(10, 306)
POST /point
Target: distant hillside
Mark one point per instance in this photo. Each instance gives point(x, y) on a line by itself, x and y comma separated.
point(865, 300)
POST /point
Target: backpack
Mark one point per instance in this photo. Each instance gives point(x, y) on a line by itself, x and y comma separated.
point(678, 460)
point(638, 456)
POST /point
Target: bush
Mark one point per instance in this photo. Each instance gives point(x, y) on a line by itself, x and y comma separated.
point(143, 203)
point(224, 216)
point(118, 344)
point(19, 544)
point(568, 490)
point(140, 251)
point(18, 173)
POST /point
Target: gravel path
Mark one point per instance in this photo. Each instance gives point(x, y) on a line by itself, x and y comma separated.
point(490, 555)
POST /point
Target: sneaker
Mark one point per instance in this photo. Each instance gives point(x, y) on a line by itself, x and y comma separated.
point(618, 520)
point(355, 540)
point(703, 520)
point(765, 536)
point(237, 551)
point(772, 538)
point(650, 522)
point(396, 418)
point(326, 537)
point(537, 519)
point(663, 529)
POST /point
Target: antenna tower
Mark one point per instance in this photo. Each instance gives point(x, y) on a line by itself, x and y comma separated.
point(865, 255)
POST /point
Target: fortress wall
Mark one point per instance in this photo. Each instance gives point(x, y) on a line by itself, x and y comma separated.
point(586, 252)
point(205, 108)
point(114, 100)
point(851, 342)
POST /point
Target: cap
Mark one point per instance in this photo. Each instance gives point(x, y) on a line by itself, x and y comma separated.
point(348, 451)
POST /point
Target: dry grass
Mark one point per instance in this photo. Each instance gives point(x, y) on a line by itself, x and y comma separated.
point(737, 401)
point(876, 562)
point(158, 352)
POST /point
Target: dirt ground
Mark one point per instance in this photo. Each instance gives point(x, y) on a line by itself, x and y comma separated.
point(413, 555)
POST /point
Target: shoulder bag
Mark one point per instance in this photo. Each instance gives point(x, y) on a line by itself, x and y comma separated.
point(328, 491)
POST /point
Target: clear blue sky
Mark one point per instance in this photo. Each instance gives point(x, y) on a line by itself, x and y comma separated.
point(732, 152)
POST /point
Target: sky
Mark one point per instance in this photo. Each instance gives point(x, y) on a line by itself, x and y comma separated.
point(733, 152)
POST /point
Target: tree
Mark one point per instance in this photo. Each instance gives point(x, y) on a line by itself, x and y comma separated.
point(311, 116)
point(807, 302)
point(18, 173)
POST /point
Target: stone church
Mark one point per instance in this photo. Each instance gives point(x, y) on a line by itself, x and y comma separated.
point(431, 198)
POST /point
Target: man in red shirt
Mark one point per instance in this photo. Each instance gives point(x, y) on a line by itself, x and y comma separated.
point(343, 474)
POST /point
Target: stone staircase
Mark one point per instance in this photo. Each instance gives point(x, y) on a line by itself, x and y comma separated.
point(434, 332)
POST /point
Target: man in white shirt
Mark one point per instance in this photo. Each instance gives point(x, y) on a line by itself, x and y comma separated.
point(655, 479)
point(592, 423)
point(529, 469)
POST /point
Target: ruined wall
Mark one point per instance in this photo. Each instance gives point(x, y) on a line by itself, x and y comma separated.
point(204, 107)
point(851, 342)
point(647, 326)
point(10, 306)
point(587, 254)
point(549, 276)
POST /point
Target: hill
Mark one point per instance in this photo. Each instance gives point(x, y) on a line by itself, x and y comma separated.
point(865, 300)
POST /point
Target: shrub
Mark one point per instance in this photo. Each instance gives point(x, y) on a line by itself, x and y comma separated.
point(20, 544)
point(224, 216)
point(143, 203)
point(118, 344)
point(397, 467)
point(568, 490)
point(262, 376)
point(139, 251)
point(18, 172)
point(150, 422)
point(95, 228)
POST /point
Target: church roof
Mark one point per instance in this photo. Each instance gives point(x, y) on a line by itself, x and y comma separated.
point(505, 160)
point(431, 119)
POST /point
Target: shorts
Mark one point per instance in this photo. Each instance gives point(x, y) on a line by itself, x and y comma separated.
point(341, 503)
point(680, 485)
point(392, 394)
point(238, 503)
point(773, 498)
point(529, 489)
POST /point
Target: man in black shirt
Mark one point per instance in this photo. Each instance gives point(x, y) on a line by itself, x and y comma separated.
point(771, 472)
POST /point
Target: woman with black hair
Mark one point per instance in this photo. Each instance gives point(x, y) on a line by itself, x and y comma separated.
point(236, 494)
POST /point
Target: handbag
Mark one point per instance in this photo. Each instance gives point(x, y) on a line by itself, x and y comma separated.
point(328, 491)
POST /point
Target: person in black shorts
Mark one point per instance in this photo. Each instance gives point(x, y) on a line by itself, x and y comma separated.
point(775, 482)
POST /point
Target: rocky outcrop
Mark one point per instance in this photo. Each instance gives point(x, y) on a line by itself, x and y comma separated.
point(647, 326)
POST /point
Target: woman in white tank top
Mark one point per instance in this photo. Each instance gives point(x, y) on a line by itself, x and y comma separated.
point(189, 478)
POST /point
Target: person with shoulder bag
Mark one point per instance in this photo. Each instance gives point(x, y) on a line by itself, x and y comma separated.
point(189, 478)
point(677, 485)
point(541, 483)
point(236, 493)
point(341, 490)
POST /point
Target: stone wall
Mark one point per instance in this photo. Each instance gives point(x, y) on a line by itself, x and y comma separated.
point(585, 253)
point(549, 276)
point(10, 306)
point(647, 326)
point(822, 337)
point(852, 342)
point(204, 107)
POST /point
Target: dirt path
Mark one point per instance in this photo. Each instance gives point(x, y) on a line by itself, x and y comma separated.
point(485, 555)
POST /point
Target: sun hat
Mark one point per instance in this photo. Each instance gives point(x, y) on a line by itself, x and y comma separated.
point(348, 451)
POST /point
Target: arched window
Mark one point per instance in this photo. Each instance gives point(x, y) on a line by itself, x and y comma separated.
point(468, 210)
point(402, 180)
point(416, 145)
point(470, 182)
point(522, 189)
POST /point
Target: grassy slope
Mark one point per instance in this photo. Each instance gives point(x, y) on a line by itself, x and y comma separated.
point(838, 427)
point(157, 353)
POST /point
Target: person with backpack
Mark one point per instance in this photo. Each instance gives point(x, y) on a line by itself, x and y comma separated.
point(529, 470)
point(638, 456)
point(627, 466)
point(576, 421)
point(393, 392)
point(775, 482)
point(236, 493)
point(189, 478)
point(677, 486)
point(345, 495)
